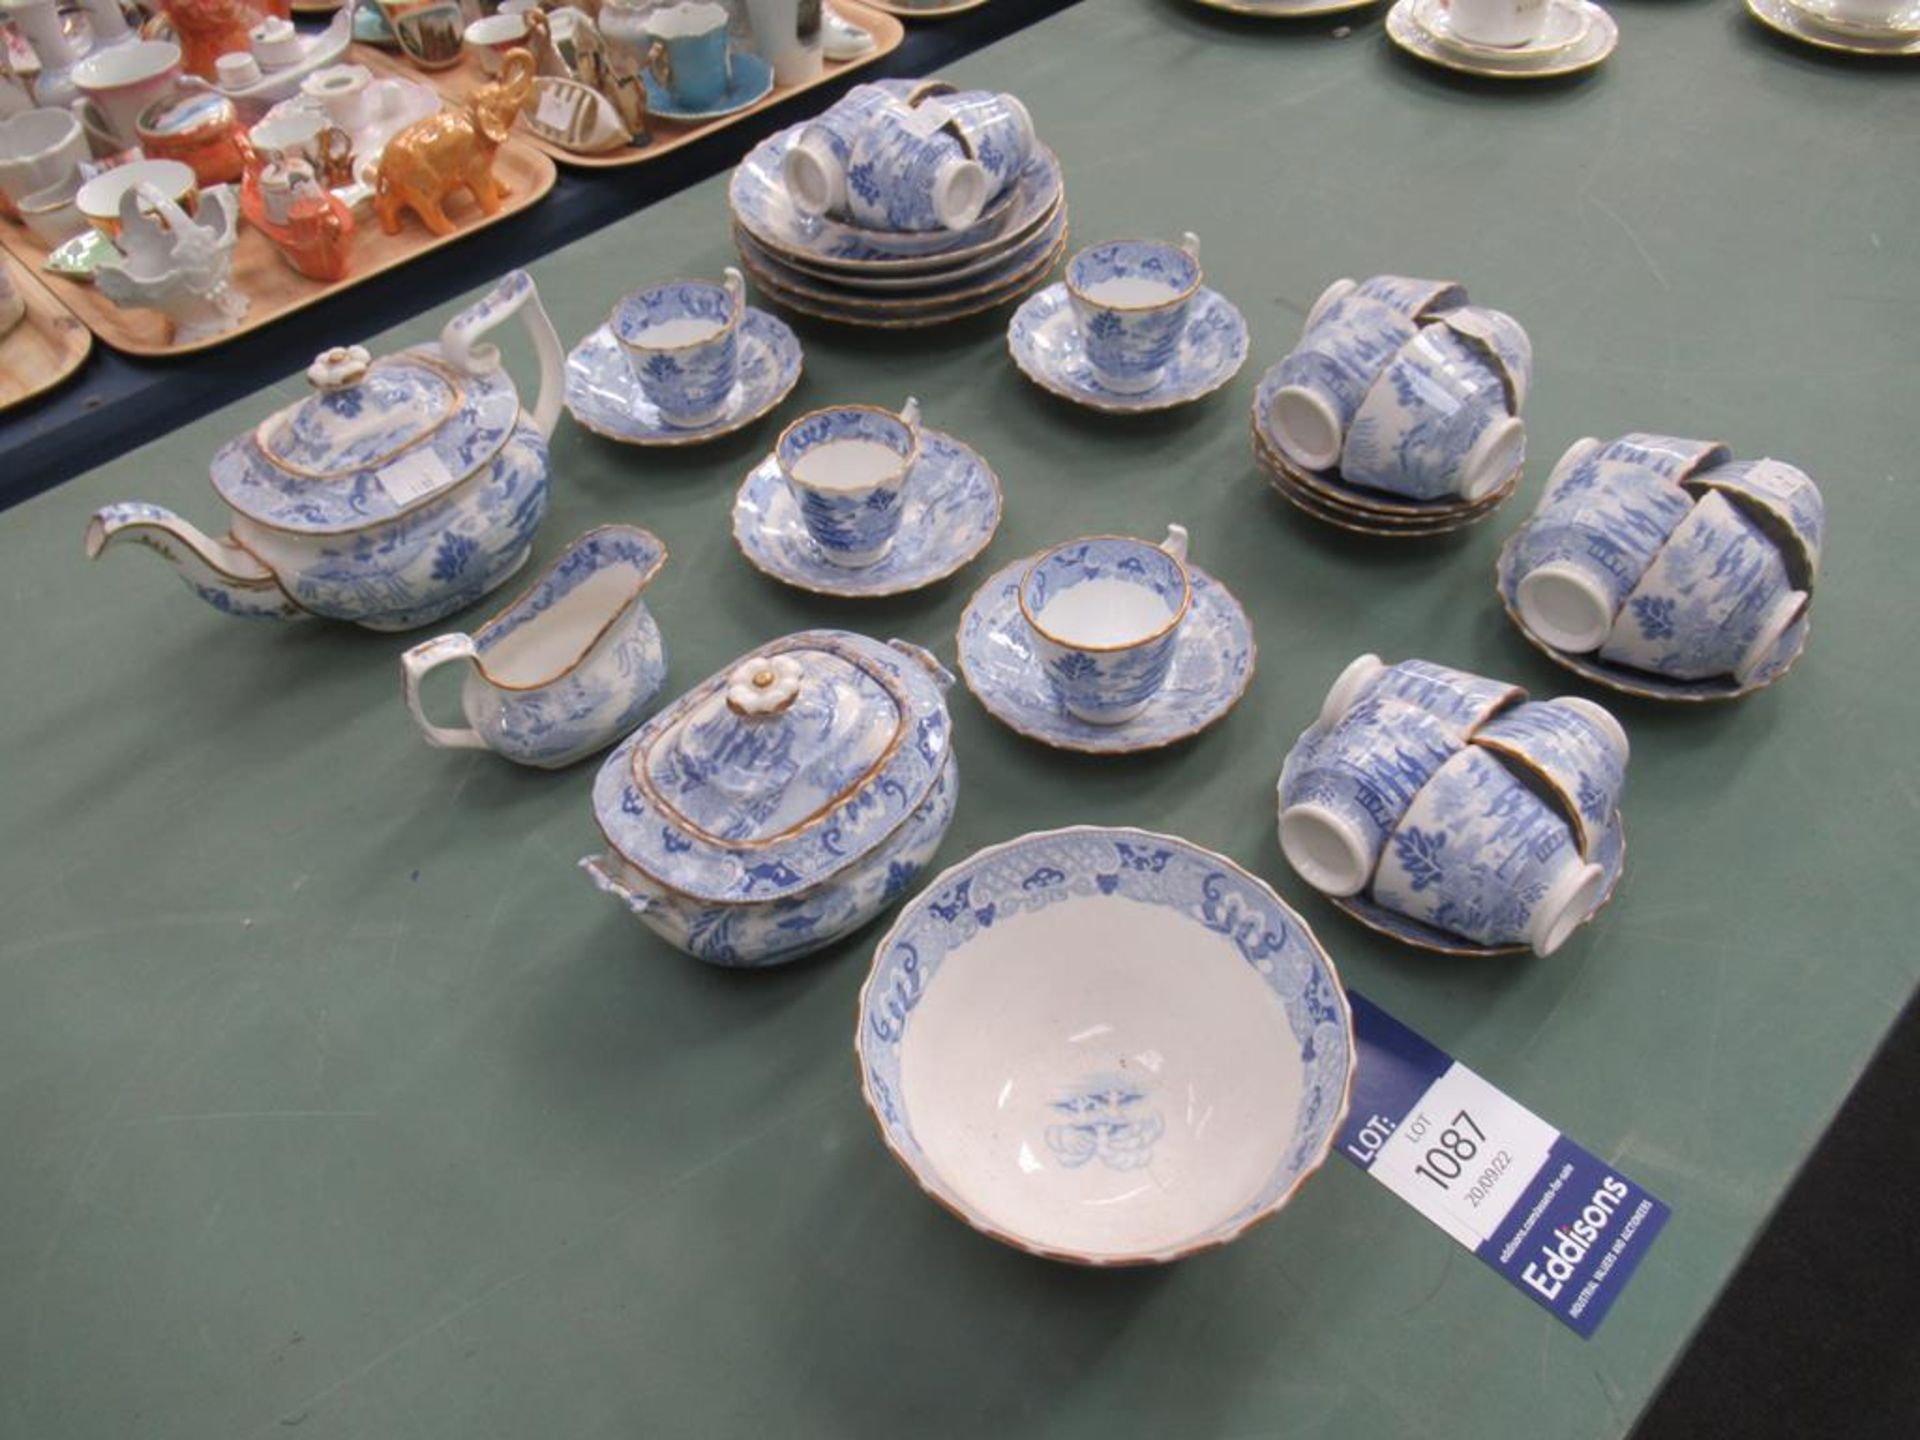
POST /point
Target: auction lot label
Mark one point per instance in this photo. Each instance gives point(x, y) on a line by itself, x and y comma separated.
point(1561, 1225)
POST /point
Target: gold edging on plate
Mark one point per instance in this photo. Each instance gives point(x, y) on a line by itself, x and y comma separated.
point(1388, 512)
point(985, 1227)
point(1000, 514)
point(906, 306)
point(1423, 47)
point(1283, 483)
point(922, 322)
point(966, 675)
point(698, 438)
point(1828, 40)
point(1087, 403)
point(1275, 12)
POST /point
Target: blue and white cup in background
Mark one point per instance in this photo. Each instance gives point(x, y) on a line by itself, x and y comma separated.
point(1478, 853)
point(1435, 423)
point(1345, 347)
point(814, 167)
point(1715, 601)
point(1457, 698)
point(909, 172)
point(1604, 516)
point(1130, 300)
point(1576, 750)
point(1361, 776)
point(1103, 615)
point(847, 467)
point(692, 59)
point(681, 340)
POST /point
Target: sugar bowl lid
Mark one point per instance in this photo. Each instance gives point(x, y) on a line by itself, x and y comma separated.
point(781, 770)
point(376, 438)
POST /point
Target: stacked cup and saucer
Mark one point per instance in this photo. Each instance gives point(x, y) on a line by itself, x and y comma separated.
point(1106, 644)
point(681, 362)
point(858, 501)
point(1132, 328)
point(905, 204)
point(1505, 39)
point(1857, 27)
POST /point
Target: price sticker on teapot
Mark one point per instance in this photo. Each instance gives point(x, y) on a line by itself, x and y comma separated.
point(1562, 1226)
point(415, 475)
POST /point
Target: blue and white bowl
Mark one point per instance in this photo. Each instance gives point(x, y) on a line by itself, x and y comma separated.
point(1105, 1046)
point(1478, 854)
point(1131, 299)
point(1324, 379)
point(1436, 422)
point(1103, 615)
point(681, 340)
point(847, 467)
point(1715, 601)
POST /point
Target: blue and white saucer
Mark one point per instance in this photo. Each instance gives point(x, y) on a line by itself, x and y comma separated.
point(1641, 683)
point(1045, 343)
point(604, 397)
point(752, 83)
point(1211, 670)
point(951, 510)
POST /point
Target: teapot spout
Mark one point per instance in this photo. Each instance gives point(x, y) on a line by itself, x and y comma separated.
point(220, 572)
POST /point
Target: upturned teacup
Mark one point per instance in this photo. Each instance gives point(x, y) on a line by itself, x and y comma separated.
point(996, 131)
point(681, 340)
point(1715, 600)
point(1575, 750)
point(909, 172)
point(1345, 347)
point(847, 467)
point(1478, 853)
point(814, 167)
point(1130, 300)
point(1103, 615)
point(1419, 300)
point(1605, 514)
point(1345, 799)
point(1435, 423)
point(1457, 698)
point(1783, 501)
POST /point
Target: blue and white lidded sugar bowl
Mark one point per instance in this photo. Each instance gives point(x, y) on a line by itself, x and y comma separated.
point(402, 490)
point(782, 803)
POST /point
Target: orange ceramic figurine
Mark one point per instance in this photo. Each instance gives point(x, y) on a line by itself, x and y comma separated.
point(430, 159)
point(208, 29)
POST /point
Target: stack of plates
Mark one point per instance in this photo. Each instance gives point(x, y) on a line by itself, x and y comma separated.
point(1324, 495)
point(1577, 35)
point(895, 280)
point(1817, 22)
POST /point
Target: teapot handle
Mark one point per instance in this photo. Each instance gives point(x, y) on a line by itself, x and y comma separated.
point(459, 341)
point(414, 665)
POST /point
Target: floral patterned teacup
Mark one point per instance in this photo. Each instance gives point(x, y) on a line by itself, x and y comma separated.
point(1103, 615)
point(681, 340)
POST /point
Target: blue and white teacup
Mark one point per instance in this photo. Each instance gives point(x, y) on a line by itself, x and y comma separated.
point(996, 130)
point(1715, 601)
point(1130, 300)
point(1478, 853)
point(1781, 500)
point(1103, 615)
point(1343, 802)
point(1605, 514)
point(1345, 347)
point(1504, 342)
point(1457, 698)
point(909, 172)
point(814, 167)
point(682, 343)
point(691, 57)
point(1435, 423)
point(1576, 750)
point(847, 467)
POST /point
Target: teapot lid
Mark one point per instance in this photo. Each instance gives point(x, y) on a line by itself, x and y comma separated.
point(785, 767)
point(376, 438)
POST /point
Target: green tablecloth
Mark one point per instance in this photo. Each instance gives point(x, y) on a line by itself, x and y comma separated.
point(334, 1097)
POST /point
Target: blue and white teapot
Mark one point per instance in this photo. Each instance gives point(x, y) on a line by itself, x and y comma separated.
point(403, 490)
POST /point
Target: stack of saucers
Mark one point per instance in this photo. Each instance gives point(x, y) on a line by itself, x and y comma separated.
point(906, 204)
point(1857, 27)
point(1441, 808)
point(1502, 40)
point(1399, 411)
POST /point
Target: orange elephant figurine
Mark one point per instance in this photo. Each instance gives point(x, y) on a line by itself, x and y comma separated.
point(424, 164)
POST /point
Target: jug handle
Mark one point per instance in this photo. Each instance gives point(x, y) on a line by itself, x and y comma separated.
point(459, 341)
point(414, 665)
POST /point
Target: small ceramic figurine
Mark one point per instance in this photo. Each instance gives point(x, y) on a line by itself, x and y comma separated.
point(401, 490)
point(424, 164)
point(175, 263)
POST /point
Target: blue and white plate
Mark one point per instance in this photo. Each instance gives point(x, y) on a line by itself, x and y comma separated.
point(917, 313)
point(1640, 682)
point(1211, 670)
point(951, 510)
point(758, 196)
point(752, 83)
point(1044, 340)
point(604, 397)
point(987, 273)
